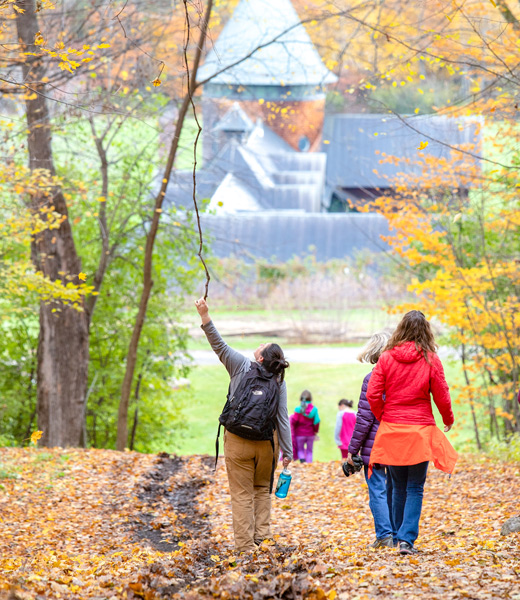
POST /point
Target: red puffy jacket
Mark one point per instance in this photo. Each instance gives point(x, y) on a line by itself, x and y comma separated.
point(407, 380)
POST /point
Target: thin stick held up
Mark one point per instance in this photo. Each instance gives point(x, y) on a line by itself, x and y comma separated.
point(131, 359)
point(199, 130)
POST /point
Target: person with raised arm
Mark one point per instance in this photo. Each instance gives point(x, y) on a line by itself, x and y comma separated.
point(256, 425)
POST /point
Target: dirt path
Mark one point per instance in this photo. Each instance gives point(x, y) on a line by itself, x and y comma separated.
point(107, 525)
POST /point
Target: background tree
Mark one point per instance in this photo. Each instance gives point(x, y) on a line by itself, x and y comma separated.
point(62, 357)
point(87, 69)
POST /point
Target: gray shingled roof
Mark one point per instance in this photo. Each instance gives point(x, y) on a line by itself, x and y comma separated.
point(287, 55)
point(284, 234)
point(256, 175)
point(235, 120)
point(355, 144)
point(263, 140)
point(234, 195)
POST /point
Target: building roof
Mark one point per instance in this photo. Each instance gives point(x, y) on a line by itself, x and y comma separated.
point(234, 195)
point(284, 234)
point(282, 52)
point(256, 174)
point(235, 120)
point(355, 144)
point(263, 140)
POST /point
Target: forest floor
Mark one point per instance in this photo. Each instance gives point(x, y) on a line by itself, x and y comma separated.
point(100, 524)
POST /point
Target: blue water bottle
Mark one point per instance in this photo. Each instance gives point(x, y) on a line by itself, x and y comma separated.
point(284, 481)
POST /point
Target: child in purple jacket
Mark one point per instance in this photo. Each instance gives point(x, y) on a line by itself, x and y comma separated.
point(305, 423)
point(362, 440)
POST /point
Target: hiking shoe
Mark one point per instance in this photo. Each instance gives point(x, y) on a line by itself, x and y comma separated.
point(386, 542)
point(406, 548)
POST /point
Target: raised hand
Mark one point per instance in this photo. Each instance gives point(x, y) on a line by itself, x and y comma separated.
point(203, 310)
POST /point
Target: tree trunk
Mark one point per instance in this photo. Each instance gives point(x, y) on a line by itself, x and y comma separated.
point(63, 341)
point(471, 400)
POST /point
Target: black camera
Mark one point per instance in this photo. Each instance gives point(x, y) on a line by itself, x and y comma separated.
point(348, 469)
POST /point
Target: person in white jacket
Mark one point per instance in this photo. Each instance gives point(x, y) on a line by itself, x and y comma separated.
point(345, 421)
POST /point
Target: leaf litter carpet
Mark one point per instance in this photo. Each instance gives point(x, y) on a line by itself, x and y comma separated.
point(99, 524)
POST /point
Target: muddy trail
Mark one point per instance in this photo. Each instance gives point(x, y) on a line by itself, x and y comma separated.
point(104, 525)
point(203, 571)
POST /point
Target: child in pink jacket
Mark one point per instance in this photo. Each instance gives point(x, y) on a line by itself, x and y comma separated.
point(305, 423)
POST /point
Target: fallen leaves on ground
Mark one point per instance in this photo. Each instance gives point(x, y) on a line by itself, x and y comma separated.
point(100, 524)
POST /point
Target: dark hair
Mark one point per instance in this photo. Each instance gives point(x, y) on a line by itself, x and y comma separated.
point(274, 360)
point(345, 402)
point(414, 327)
point(306, 395)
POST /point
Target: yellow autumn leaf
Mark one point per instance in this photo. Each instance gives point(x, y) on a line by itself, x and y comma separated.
point(82, 276)
point(35, 436)
point(156, 82)
point(422, 145)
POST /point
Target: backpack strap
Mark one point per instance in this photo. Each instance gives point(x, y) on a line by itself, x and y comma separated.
point(273, 467)
point(216, 445)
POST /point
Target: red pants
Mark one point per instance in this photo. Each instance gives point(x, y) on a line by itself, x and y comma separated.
point(344, 452)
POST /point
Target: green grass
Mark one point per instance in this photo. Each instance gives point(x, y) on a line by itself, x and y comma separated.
point(206, 396)
point(9, 472)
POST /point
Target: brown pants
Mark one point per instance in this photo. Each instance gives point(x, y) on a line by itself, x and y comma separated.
point(249, 466)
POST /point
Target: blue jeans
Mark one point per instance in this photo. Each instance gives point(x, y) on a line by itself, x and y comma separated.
point(380, 501)
point(408, 484)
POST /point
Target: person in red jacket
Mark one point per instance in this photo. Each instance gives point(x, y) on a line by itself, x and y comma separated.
point(407, 374)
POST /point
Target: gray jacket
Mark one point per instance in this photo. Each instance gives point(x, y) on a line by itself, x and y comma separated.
point(237, 366)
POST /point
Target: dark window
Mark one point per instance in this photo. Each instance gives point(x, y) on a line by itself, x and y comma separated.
point(304, 144)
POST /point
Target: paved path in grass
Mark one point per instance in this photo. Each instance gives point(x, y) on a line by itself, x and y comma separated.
point(316, 355)
point(320, 355)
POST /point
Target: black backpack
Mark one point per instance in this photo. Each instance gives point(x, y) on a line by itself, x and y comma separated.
point(251, 412)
